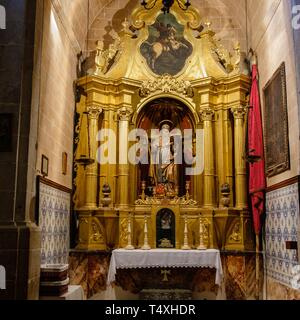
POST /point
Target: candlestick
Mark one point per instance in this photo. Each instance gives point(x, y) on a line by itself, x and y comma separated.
point(186, 239)
point(129, 245)
point(202, 245)
point(146, 244)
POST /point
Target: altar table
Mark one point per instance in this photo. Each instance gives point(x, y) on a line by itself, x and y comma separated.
point(165, 258)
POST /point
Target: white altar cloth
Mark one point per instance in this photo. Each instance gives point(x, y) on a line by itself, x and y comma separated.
point(165, 258)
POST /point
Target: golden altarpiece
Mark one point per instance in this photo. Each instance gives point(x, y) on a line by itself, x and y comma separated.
point(163, 69)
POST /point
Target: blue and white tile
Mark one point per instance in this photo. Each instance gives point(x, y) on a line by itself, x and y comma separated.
point(282, 221)
point(54, 221)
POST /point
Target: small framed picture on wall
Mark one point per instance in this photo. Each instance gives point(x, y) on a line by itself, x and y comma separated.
point(45, 166)
point(64, 163)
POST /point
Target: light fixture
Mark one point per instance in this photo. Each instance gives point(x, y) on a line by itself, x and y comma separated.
point(167, 4)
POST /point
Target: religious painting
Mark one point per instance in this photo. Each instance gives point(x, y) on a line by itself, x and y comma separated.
point(276, 124)
point(5, 132)
point(165, 229)
point(166, 50)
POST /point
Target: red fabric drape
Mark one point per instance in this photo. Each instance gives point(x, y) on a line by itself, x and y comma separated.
point(257, 179)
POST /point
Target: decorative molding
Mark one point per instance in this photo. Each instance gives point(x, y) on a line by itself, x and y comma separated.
point(94, 112)
point(166, 84)
point(176, 201)
point(284, 184)
point(53, 184)
point(239, 112)
point(206, 114)
point(125, 113)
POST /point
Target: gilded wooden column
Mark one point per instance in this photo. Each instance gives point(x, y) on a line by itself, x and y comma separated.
point(124, 117)
point(209, 165)
point(104, 168)
point(91, 175)
point(228, 150)
point(239, 157)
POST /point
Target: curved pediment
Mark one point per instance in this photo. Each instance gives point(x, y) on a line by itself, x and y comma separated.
point(156, 44)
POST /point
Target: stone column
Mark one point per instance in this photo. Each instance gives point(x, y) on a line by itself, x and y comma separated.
point(209, 165)
point(124, 117)
point(239, 157)
point(91, 175)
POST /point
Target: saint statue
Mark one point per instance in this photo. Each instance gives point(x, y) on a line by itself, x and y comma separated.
point(163, 172)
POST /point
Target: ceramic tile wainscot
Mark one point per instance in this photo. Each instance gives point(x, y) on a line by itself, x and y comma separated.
point(281, 226)
point(54, 221)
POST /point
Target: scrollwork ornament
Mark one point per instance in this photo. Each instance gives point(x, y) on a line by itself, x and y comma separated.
point(166, 84)
point(94, 112)
point(239, 112)
point(125, 113)
point(206, 114)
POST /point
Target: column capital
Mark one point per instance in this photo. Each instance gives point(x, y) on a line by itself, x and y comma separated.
point(206, 114)
point(125, 113)
point(239, 112)
point(94, 111)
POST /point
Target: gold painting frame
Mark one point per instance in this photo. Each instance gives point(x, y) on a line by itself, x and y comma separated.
point(276, 136)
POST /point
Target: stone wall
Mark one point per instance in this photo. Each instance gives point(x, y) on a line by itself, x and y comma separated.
point(271, 37)
point(19, 237)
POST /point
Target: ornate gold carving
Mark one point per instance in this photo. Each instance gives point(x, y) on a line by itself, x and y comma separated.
point(83, 221)
point(119, 73)
point(165, 244)
point(206, 114)
point(105, 58)
point(123, 231)
point(125, 113)
point(94, 112)
point(157, 201)
point(236, 233)
point(239, 112)
point(97, 231)
point(228, 60)
point(166, 84)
